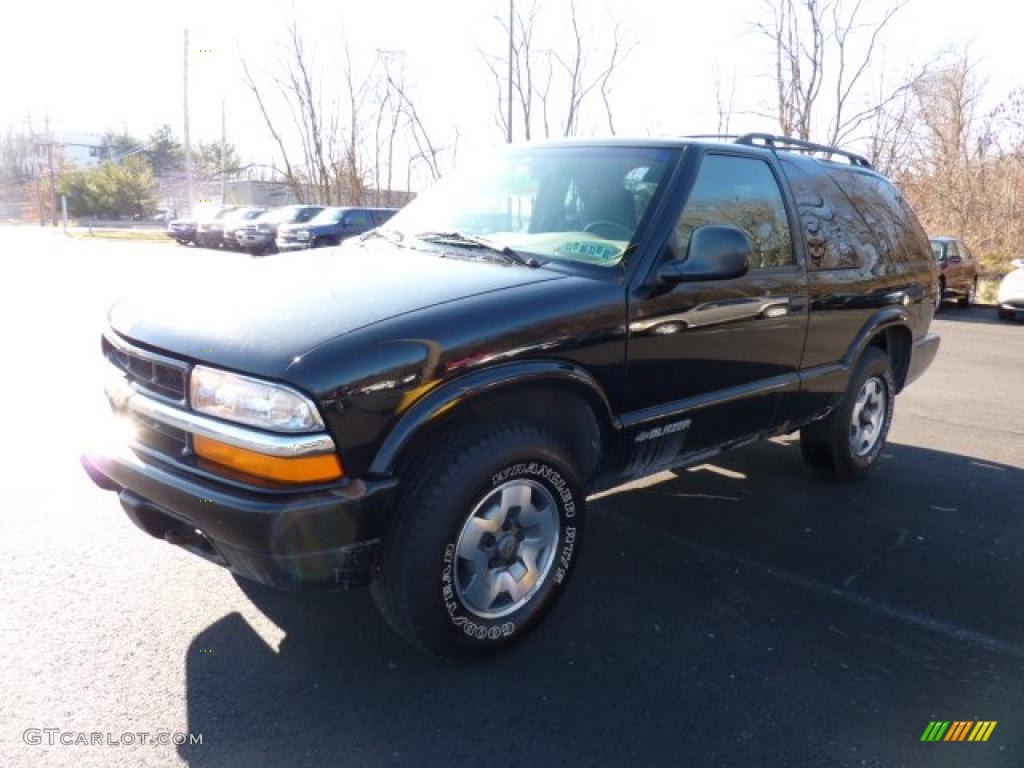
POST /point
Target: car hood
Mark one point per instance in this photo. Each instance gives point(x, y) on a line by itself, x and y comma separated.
point(1012, 286)
point(295, 226)
point(259, 316)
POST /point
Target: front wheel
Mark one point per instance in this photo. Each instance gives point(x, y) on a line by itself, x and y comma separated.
point(849, 441)
point(486, 536)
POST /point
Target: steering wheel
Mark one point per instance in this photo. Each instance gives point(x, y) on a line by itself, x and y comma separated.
point(595, 225)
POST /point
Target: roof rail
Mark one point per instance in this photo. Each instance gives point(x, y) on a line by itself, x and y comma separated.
point(731, 136)
point(787, 144)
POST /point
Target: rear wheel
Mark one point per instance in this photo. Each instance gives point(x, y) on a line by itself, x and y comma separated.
point(849, 441)
point(486, 537)
point(970, 298)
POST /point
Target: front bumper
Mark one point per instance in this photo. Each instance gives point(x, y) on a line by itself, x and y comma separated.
point(324, 537)
point(921, 356)
point(210, 238)
point(292, 245)
point(254, 240)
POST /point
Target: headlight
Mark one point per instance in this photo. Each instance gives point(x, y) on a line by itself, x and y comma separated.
point(251, 401)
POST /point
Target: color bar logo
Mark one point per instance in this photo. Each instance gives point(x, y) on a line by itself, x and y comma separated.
point(958, 730)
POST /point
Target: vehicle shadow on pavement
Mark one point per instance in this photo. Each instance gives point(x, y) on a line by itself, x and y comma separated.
point(985, 314)
point(743, 613)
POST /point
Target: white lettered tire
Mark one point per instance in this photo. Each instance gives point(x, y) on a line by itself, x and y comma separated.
point(486, 536)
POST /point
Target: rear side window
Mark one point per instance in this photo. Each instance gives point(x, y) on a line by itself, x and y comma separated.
point(740, 192)
point(834, 233)
point(359, 219)
point(891, 224)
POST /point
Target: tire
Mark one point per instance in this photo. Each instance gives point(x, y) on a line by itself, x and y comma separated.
point(829, 445)
point(446, 587)
point(970, 297)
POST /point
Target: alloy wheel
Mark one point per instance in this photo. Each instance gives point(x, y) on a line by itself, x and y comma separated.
point(506, 548)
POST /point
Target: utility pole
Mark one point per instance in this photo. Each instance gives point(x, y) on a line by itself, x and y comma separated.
point(53, 177)
point(188, 143)
point(53, 185)
point(511, 48)
point(223, 161)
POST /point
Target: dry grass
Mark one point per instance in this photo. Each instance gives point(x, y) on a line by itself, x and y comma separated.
point(137, 235)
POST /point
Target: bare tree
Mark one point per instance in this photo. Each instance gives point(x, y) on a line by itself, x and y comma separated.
point(724, 102)
point(956, 143)
point(828, 47)
point(558, 82)
point(289, 173)
point(345, 133)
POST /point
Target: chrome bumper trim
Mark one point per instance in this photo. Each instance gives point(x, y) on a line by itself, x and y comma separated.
point(124, 397)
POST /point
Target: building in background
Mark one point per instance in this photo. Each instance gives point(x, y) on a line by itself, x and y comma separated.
point(82, 150)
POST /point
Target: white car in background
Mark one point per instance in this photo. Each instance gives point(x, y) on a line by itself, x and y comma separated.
point(1011, 293)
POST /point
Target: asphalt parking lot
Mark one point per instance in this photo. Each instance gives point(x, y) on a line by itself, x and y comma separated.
point(744, 613)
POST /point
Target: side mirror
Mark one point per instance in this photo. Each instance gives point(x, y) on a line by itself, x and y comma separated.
point(715, 253)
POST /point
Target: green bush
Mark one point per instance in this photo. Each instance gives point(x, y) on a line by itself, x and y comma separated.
point(116, 190)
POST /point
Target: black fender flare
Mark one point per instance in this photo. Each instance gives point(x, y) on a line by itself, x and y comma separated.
point(503, 377)
point(889, 317)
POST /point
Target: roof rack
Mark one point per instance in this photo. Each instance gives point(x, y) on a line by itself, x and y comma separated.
point(787, 144)
point(731, 136)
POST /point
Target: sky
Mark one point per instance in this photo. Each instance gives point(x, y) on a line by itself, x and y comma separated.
point(113, 64)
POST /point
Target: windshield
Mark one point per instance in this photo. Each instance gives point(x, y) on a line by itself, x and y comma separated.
point(328, 216)
point(279, 215)
point(581, 204)
point(938, 250)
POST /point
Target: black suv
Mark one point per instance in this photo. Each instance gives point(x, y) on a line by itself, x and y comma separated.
point(258, 236)
point(427, 408)
point(330, 227)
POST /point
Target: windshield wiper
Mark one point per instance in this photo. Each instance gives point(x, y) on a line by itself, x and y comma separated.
point(391, 235)
point(471, 241)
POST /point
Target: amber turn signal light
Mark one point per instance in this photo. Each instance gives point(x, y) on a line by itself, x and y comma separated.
point(300, 469)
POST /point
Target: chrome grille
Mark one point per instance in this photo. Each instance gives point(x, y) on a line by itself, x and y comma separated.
point(160, 376)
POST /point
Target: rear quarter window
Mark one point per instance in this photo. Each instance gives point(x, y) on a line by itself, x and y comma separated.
point(853, 218)
point(834, 233)
point(890, 221)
